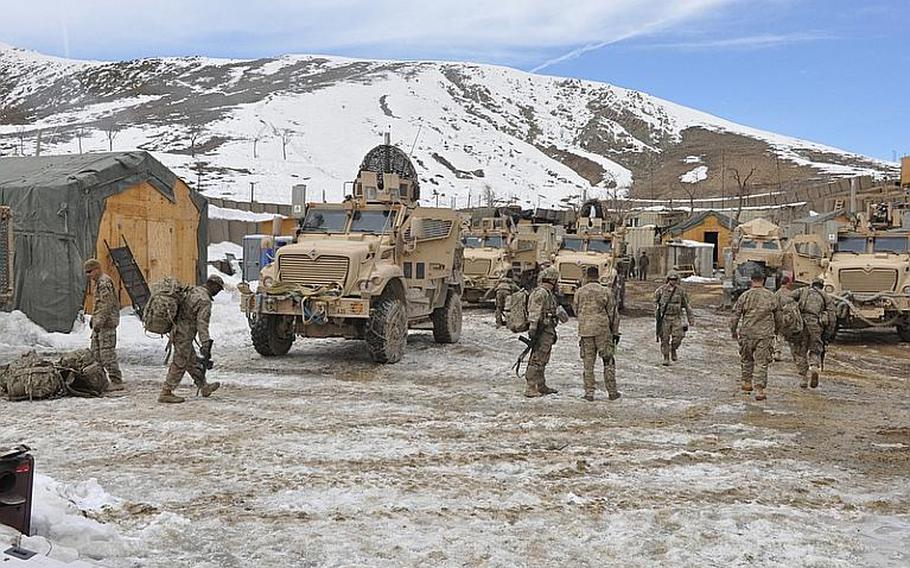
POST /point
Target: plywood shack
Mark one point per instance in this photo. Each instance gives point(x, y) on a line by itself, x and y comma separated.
point(69, 208)
point(706, 227)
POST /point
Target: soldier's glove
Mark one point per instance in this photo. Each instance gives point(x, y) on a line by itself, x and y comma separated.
point(616, 338)
point(206, 349)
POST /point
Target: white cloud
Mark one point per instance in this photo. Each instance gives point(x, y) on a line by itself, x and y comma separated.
point(745, 42)
point(521, 28)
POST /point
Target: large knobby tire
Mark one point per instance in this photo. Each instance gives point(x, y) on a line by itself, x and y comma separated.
point(447, 319)
point(903, 331)
point(387, 330)
point(266, 338)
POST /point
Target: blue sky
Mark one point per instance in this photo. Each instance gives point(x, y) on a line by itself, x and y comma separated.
point(832, 71)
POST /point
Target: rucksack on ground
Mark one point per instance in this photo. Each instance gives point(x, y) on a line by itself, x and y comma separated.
point(791, 321)
point(517, 305)
point(32, 378)
point(160, 312)
point(82, 374)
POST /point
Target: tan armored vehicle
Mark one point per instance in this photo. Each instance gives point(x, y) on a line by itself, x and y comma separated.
point(868, 273)
point(756, 246)
point(497, 244)
point(592, 244)
point(369, 268)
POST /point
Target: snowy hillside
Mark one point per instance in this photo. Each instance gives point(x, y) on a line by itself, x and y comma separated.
point(273, 123)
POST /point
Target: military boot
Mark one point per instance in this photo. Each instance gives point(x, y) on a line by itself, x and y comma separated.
point(803, 382)
point(115, 386)
point(208, 388)
point(673, 354)
point(531, 390)
point(666, 362)
point(760, 393)
point(813, 377)
point(167, 396)
point(544, 389)
point(747, 386)
point(613, 395)
point(589, 396)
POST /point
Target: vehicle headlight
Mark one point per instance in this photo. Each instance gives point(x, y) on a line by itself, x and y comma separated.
point(266, 281)
point(829, 288)
point(907, 290)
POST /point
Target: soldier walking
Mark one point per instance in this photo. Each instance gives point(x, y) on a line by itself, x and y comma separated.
point(192, 321)
point(754, 325)
point(104, 322)
point(504, 288)
point(670, 301)
point(598, 332)
point(784, 296)
point(542, 309)
point(819, 321)
point(643, 263)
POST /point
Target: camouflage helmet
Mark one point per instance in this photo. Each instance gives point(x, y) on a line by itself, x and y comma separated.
point(215, 280)
point(818, 282)
point(549, 274)
point(672, 275)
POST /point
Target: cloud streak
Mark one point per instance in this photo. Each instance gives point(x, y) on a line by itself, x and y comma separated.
point(760, 41)
point(527, 28)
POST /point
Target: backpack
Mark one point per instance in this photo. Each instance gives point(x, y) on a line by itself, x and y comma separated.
point(517, 320)
point(791, 321)
point(82, 374)
point(32, 378)
point(160, 312)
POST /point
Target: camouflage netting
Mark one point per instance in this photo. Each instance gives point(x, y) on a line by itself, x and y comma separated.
point(57, 204)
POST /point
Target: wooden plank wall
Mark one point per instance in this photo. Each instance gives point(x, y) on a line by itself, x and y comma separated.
point(161, 234)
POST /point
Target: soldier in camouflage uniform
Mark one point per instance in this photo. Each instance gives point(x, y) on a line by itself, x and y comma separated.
point(754, 325)
point(598, 331)
point(542, 309)
point(671, 300)
point(192, 321)
point(104, 322)
point(784, 296)
point(819, 319)
point(504, 288)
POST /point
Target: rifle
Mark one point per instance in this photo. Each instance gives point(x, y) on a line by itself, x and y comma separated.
point(529, 342)
point(662, 312)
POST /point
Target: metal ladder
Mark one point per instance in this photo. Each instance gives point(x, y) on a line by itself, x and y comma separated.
point(130, 275)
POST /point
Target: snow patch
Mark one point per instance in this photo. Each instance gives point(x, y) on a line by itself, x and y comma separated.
point(695, 175)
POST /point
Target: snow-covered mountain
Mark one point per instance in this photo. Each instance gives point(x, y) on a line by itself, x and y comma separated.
point(472, 129)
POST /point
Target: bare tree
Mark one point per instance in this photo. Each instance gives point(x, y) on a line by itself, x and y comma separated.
point(489, 196)
point(285, 134)
point(199, 168)
point(111, 129)
point(691, 190)
point(80, 134)
point(195, 132)
point(20, 134)
point(742, 189)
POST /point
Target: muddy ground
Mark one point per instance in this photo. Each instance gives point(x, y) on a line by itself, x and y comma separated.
point(321, 458)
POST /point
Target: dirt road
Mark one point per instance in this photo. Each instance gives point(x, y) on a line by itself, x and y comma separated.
point(323, 459)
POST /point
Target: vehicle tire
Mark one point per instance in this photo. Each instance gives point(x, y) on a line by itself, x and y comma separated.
point(267, 339)
point(387, 330)
point(903, 331)
point(447, 319)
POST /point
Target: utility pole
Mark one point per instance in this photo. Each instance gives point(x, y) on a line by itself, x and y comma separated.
point(252, 187)
point(723, 179)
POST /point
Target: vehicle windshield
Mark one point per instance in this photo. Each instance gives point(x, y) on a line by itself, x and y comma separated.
point(379, 222)
point(600, 245)
point(325, 220)
point(748, 244)
point(472, 242)
point(851, 244)
point(770, 245)
point(493, 242)
point(890, 244)
point(572, 244)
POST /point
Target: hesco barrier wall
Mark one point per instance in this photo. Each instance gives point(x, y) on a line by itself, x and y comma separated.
point(6, 255)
